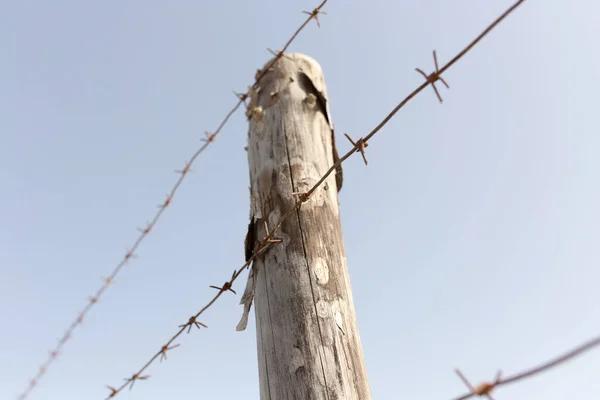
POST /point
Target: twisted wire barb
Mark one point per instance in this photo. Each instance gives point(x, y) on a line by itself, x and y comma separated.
point(210, 138)
point(358, 146)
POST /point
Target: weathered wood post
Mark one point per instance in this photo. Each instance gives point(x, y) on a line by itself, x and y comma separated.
point(308, 341)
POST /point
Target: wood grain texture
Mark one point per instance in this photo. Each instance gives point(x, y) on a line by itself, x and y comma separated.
point(308, 340)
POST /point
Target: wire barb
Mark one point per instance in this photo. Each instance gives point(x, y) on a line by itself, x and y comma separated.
point(192, 322)
point(145, 230)
point(314, 14)
point(268, 239)
point(135, 377)
point(113, 391)
point(66, 336)
point(108, 281)
point(241, 96)
point(164, 349)
point(278, 53)
point(185, 169)
point(360, 146)
point(303, 197)
point(128, 256)
point(434, 77)
point(484, 388)
point(166, 203)
point(227, 285)
point(210, 137)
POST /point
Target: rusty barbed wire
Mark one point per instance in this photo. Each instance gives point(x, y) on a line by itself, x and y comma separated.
point(269, 239)
point(192, 321)
point(486, 388)
point(210, 138)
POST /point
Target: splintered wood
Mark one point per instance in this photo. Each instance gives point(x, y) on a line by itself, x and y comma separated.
point(308, 340)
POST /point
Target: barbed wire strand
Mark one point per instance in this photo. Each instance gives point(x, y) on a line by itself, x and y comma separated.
point(210, 138)
point(485, 388)
point(270, 239)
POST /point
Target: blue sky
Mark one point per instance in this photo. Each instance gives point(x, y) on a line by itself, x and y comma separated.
point(472, 236)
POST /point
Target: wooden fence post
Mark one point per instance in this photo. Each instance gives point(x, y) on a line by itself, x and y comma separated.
point(308, 341)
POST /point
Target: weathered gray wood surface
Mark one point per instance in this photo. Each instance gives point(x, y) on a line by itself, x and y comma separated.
point(308, 340)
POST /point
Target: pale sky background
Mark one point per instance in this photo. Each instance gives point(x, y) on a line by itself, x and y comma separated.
point(472, 236)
